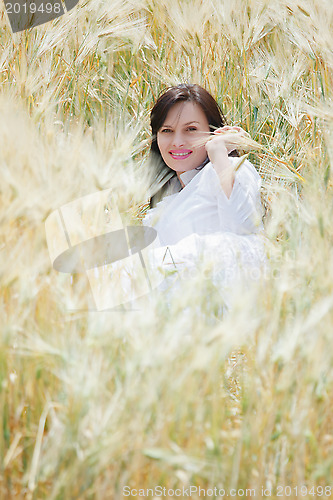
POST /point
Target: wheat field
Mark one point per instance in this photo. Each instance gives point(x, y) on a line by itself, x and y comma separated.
point(106, 405)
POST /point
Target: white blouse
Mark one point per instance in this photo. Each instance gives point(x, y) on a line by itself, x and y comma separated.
point(202, 206)
point(199, 227)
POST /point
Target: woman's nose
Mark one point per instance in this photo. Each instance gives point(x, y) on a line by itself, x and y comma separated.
point(178, 139)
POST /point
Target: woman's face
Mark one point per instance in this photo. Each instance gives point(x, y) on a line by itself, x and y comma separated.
point(185, 125)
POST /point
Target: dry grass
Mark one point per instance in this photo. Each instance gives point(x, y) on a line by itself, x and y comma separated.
point(91, 402)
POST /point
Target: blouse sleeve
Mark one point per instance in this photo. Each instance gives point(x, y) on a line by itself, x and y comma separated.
point(242, 212)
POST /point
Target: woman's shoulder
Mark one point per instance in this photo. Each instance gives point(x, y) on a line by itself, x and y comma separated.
point(246, 173)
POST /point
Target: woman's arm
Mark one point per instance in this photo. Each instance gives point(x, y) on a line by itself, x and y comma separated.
point(222, 143)
point(239, 202)
point(242, 212)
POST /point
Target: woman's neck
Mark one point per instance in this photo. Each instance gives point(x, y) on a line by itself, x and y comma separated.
point(178, 175)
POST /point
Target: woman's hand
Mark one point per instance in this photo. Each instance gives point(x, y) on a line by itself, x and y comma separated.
point(220, 144)
point(224, 140)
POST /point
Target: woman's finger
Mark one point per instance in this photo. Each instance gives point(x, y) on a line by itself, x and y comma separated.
point(228, 128)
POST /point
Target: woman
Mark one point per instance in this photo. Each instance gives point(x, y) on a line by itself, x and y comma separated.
point(206, 208)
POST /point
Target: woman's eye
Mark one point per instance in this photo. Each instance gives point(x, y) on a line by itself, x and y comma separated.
point(164, 130)
point(192, 129)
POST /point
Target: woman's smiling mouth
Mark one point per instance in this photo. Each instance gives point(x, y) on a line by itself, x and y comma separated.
point(180, 154)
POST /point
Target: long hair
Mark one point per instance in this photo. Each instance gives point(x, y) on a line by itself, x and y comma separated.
point(180, 93)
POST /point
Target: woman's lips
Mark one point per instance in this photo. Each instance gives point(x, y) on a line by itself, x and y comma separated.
point(180, 154)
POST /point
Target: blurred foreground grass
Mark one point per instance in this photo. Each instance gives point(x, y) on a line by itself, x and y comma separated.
point(91, 402)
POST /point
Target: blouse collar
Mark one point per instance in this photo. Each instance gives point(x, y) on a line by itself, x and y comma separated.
point(186, 177)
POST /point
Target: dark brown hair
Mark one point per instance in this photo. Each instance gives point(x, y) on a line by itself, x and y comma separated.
point(181, 93)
